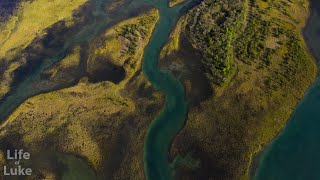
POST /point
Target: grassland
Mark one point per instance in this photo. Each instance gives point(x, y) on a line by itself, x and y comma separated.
point(31, 21)
point(104, 123)
point(175, 2)
point(272, 69)
point(122, 45)
point(64, 71)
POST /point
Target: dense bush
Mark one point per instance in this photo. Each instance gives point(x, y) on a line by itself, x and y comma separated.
point(134, 32)
point(292, 66)
point(251, 44)
point(212, 28)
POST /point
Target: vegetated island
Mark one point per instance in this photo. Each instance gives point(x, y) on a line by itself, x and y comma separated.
point(245, 66)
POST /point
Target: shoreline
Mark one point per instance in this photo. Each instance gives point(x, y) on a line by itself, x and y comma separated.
point(157, 143)
point(256, 157)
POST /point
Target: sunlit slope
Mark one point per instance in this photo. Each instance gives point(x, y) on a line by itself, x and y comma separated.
point(123, 45)
point(102, 122)
point(30, 21)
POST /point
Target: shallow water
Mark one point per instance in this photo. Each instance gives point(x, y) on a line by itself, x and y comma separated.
point(295, 153)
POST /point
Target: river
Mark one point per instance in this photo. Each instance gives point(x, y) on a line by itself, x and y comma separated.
point(295, 153)
point(172, 118)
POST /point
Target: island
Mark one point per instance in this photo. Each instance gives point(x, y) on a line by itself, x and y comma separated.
point(135, 89)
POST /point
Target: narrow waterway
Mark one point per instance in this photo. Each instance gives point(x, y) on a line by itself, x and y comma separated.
point(172, 118)
point(295, 153)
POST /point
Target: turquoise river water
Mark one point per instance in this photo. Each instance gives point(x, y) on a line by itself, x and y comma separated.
point(172, 118)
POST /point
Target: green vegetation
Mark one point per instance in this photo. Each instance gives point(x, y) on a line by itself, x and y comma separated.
point(124, 44)
point(251, 44)
point(103, 123)
point(175, 2)
point(186, 162)
point(64, 70)
point(213, 28)
point(29, 23)
point(7, 78)
point(251, 70)
point(174, 40)
point(273, 69)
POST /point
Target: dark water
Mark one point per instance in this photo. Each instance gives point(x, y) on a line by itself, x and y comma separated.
point(7, 8)
point(295, 153)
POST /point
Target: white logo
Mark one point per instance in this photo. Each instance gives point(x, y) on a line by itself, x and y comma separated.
point(18, 170)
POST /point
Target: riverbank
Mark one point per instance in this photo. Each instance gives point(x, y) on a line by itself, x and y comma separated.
point(311, 36)
point(266, 81)
point(97, 120)
point(172, 117)
point(311, 31)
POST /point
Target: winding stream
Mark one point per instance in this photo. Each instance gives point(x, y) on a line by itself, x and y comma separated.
point(295, 153)
point(170, 121)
